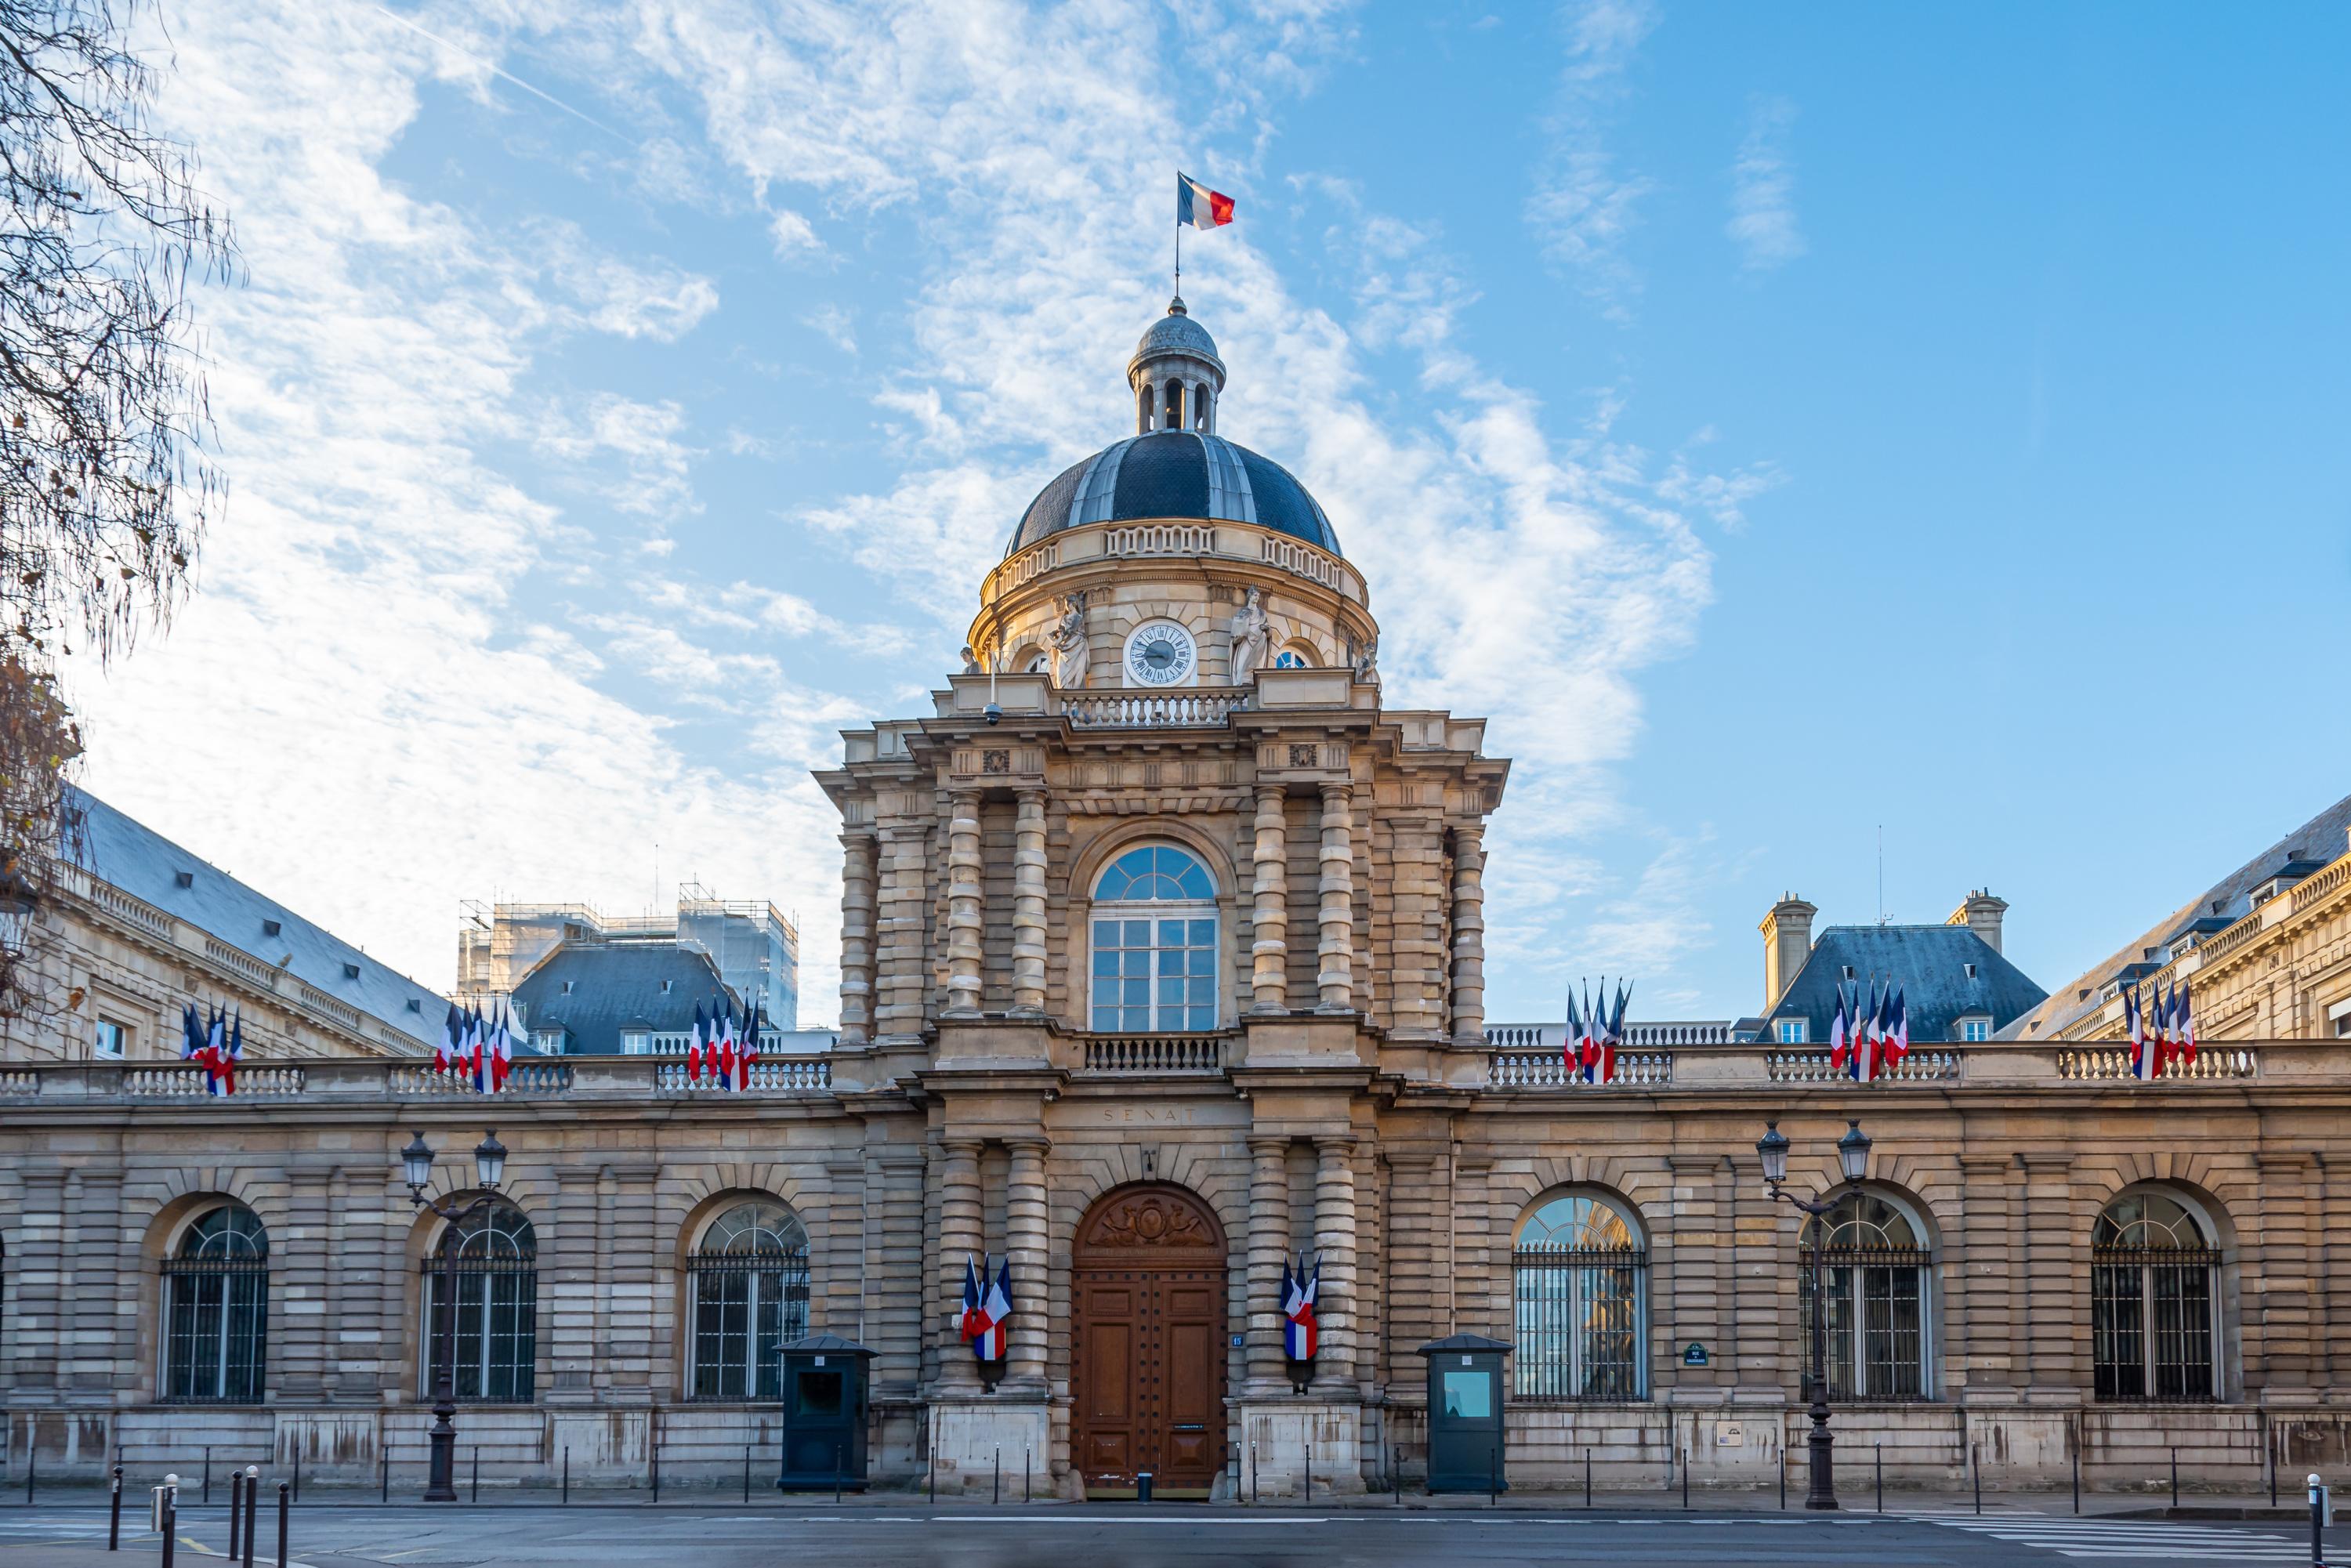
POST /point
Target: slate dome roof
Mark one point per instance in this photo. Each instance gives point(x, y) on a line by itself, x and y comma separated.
point(1175, 333)
point(1176, 473)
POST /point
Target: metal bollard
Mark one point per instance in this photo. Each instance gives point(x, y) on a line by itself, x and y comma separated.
point(1024, 1475)
point(836, 1472)
point(236, 1516)
point(1494, 1475)
point(208, 1475)
point(32, 1462)
point(1881, 1478)
point(1587, 1480)
point(298, 1472)
point(284, 1516)
point(746, 1475)
point(994, 1477)
point(567, 1475)
point(169, 1507)
point(1252, 1469)
point(1685, 1480)
point(1143, 1485)
point(2175, 1478)
point(477, 1473)
point(385, 1466)
point(2078, 1481)
point(114, 1516)
point(252, 1510)
point(934, 1479)
point(1310, 1469)
point(2317, 1523)
point(656, 1458)
point(1975, 1468)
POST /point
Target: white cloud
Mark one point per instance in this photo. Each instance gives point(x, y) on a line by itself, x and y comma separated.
point(1582, 208)
point(835, 326)
point(793, 235)
point(1763, 190)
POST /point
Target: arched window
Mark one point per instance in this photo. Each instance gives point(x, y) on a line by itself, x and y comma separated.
point(1203, 401)
point(217, 1309)
point(497, 1308)
point(751, 1283)
point(1154, 943)
point(1875, 1266)
point(1580, 1279)
point(1143, 409)
point(1173, 417)
point(2153, 1301)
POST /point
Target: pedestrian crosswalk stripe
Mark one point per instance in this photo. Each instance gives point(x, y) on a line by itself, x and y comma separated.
point(2137, 1541)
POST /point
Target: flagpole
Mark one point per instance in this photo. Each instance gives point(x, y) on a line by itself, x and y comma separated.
point(1179, 259)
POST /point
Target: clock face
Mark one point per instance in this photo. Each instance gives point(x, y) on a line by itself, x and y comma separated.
point(1159, 654)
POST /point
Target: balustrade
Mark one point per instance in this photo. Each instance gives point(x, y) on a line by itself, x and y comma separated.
point(1925, 1064)
point(1152, 1053)
point(1165, 710)
point(1549, 1069)
point(2111, 1063)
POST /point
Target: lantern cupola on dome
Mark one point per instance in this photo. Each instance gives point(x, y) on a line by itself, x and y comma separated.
point(1175, 375)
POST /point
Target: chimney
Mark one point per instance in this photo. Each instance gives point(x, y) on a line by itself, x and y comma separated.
point(1981, 913)
point(1787, 943)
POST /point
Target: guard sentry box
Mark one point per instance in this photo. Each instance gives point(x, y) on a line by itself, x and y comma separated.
point(824, 1414)
point(1465, 1413)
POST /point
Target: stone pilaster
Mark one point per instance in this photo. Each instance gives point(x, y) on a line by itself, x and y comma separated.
point(959, 1239)
point(902, 979)
point(964, 900)
point(1335, 957)
point(1334, 1240)
point(1029, 903)
point(1979, 1302)
point(1270, 917)
point(2056, 1274)
point(1269, 1246)
point(1025, 1232)
point(857, 911)
point(1469, 937)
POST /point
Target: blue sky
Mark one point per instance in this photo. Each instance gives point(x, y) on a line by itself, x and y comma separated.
point(1781, 421)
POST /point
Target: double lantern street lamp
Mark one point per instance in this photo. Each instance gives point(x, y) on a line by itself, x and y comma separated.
point(1853, 1158)
point(489, 1169)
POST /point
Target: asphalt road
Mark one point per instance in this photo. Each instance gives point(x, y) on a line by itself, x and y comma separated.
point(1122, 1535)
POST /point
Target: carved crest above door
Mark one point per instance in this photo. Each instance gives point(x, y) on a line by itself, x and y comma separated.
point(1150, 1219)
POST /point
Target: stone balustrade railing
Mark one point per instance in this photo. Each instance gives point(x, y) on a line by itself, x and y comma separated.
point(1155, 1054)
point(1925, 1064)
point(2111, 1063)
point(1549, 1069)
point(769, 1075)
point(173, 1081)
point(1193, 708)
point(342, 1078)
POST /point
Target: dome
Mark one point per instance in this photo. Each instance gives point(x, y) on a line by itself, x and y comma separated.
point(1176, 473)
point(1175, 333)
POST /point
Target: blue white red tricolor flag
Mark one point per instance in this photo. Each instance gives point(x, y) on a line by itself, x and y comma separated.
point(1196, 206)
point(1300, 1331)
point(986, 1310)
point(2142, 1058)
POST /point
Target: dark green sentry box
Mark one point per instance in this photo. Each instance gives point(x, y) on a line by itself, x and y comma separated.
point(824, 1414)
point(1465, 1413)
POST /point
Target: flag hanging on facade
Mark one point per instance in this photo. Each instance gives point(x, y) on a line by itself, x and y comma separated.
point(502, 1055)
point(1570, 1056)
point(1196, 206)
point(1301, 1332)
point(2187, 1025)
point(1840, 1033)
point(998, 1308)
point(224, 1081)
point(984, 1332)
point(444, 1050)
point(1897, 1045)
point(216, 1048)
point(1861, 1066)
point(1607, 1030)
point(747, 1055)
point(693, 1049)
point(475, 1064)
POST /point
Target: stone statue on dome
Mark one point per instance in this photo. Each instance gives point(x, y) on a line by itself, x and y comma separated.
point(1068, 641)
point(1251, 640)
point(1367, 659)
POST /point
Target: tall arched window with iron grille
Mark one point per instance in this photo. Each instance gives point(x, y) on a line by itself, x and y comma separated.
point(1581, 1277)
point(1878, 1272)
point(749, 1280)
point(497, 1308)
point(2153, 1301)
point(216, 1311)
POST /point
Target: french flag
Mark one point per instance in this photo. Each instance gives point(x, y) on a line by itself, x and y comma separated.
point(980, 1324)
point(1839, 1041)
point(1301, 1332)
point(2187, 1023)
point(693, 1047)
point(2142, 1058)
point(1198, 207)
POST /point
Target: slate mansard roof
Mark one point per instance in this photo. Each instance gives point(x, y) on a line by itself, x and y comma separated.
point(1177, 474)
point(593, 991)
point(2308, 848)
point(150, 867)
point(1930, 963)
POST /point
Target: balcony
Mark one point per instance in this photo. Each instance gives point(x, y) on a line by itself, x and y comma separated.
point(1155, 1055)
point(1196, 707)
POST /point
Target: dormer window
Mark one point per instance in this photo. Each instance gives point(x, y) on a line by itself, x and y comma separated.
point(1848, 971)
point(271, 927)
point(567, 988)
point(665, 986)
point(1795, 1032)
point(1971, 968)
point(1975, 1030)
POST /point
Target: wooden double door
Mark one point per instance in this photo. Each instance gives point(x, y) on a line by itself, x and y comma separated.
point(1148, 1345)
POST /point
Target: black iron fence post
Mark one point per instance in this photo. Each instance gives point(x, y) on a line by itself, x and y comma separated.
point(1024, 1474)
point(298, 1472)
point(171, 1517)
point(235, 1498)
point(1587, 1479)
point(252, 1510)
point(836, 1472)
point(114, 1515)
point(208, 1478)
point(1396, 1471)
point(2077, 1480)
point(384, 1466)
point(994, 1477)
point(284, 1516)
point(2175, 1478)
point(1494, 1475)
point(1881, 1478)
point(746, 1475)
point(1685, 1480)
point(1975, 1468)
point(2317, 1523)
point(567, 1475)
point(33, 1458)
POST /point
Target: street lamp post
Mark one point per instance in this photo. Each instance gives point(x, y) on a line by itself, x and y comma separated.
point(489, 1169)
point(1853, 1159)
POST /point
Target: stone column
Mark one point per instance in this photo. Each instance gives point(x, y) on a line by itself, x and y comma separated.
point(1029, 903)
point(1335, 958)
point(1269, 1246)
point(1025, 1243)
point(1334, 1240)
point(964, 897)
point(1269, 920)
point(1978, 1293)
point(902, 979)
point(1470, 936)
point(959, 1238)
point(857, 870)
point(2056, 1269)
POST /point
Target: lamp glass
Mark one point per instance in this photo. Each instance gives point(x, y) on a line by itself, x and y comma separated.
point(416, 1160)
point(1853, 1152)
point(1773, 1147)
point(490, 1159)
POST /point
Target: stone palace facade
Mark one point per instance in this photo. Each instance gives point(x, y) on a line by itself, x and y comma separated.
point(1162, 963)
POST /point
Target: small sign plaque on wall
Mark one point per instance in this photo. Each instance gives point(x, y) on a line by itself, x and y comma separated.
point(1694, 1354)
